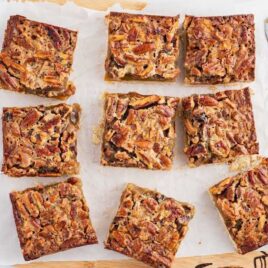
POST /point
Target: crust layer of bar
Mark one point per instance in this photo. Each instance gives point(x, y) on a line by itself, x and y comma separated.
point(142, 47)
point(41, 141)
point(242, 201)
point(52, 218)
point(36, 58)
point(139, 131)
point(149, 226)
point(219, 49)
point(219, 127)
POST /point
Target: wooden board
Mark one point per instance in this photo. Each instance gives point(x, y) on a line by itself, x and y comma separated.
point(229, 260)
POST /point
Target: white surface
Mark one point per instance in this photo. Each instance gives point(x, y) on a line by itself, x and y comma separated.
point(103, 185)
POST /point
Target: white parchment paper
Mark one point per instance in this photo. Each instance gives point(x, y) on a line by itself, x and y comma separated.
point(103, 185)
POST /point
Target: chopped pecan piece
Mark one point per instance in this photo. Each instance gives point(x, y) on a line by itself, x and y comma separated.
point(30, 119)
point(213, 125)
point(40, 141)
point(207, 100)
point(139, 131)
point(37, 58)
point(143, 102)
point(219, 49)
point(142, 47)
point(149, 226)
point(48, 222)
point(242, 201)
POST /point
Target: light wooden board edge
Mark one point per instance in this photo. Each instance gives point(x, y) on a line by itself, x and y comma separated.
point(229, 260)
point(99, 4)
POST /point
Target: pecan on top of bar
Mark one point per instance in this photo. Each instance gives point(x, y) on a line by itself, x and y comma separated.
point(219, 49)
point(52, 218)
point(142, 47)
point(149, 226)
point(41, 141)
point(242, 201)
point(219, 127)
point(37, 58)
point(139, 131)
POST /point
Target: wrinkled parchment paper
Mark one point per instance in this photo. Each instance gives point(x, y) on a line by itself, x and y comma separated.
point(103, 185)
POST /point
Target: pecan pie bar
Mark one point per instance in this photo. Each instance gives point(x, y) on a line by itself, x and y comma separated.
point(149, 226)
point(40, 141)
point(142, 47)
point(36, 58)
point(219, 127)
point(52, 218)
point(242, 201)
point(219, 49)
point(139, 131)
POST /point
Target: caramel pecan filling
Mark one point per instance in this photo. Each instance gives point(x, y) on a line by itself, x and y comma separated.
point(40, 141)
point(142, 47)
point(219, 49)
point(52, 218)
point(243, 203)
point(36, 58)
point(149, 226)
point(139, 131)
point(219, 126)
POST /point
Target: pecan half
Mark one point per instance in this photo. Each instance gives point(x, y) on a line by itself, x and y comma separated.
point(143, 48)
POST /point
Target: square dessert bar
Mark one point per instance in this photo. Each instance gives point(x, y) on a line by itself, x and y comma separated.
point(219, 49)
point(37, 58)
point(149, 226)
point(41, 141)
point(142, 47)
point(139, 131)
point(52, 218)
point(242, 201)
point(219, 127)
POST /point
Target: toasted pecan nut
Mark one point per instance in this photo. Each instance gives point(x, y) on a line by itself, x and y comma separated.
point(139, 131)
point(143, 102)
point(36, 58)
point(149, 226)
point(263, 176)
point(142, 47)
point(242, 201)
point(8, 81)
point(30, 119)
point(207, 100)
point(48, 221)
point(190, 129)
